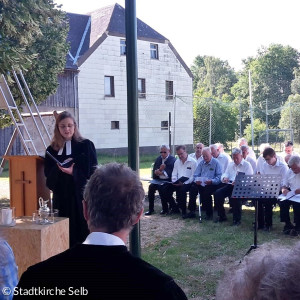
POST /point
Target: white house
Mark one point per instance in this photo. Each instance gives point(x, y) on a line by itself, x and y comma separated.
point(98, 49)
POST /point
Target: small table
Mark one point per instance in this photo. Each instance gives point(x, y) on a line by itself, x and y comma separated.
point(33, 243)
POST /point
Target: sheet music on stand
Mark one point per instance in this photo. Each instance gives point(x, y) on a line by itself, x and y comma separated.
point(255, 187)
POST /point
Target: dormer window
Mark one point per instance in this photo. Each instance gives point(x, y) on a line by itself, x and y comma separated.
point(154, 51)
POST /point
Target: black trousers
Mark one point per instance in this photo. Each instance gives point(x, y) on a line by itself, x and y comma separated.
point(285, 212)
point(265, 212)
point(181, 192)
point(151, 194)
point(220, 194)
point(205, 197)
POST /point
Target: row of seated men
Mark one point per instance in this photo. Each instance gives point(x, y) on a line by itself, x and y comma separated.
point(211, 172)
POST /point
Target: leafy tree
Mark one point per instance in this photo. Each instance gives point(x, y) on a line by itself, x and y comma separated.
point(272, 72)
point(295, 86)
point(212, 77)
point(290, 115)
point(32, 38)
point(224, 121)
point(258, 126)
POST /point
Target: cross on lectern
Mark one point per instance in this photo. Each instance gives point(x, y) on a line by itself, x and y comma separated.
point(23, 181)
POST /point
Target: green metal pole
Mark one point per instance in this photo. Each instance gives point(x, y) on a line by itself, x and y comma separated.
point(132, 106)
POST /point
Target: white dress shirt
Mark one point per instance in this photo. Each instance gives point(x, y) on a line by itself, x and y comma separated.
point(103, 239)
point(186, 169)
point(278, 169)
point(224, 161)
point(164, 175)
point(252, 163)
point(232, 170)
point(291, 180)
point(193, 155)
point(252, 154)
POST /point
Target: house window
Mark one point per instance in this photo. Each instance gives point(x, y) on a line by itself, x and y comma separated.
point(169, 90)
point(154, 51)
point(109, 86)
point(164, 125)
point(115, 124)
point(142, 87)
point(122, 47)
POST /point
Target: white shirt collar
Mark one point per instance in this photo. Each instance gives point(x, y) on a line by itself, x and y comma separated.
point(103, 239)
point(68, 148)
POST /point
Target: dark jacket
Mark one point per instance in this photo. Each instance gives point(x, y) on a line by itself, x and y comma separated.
point(169, 166)
point(100, 272)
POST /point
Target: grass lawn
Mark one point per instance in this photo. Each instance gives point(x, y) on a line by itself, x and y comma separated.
point(198, 254)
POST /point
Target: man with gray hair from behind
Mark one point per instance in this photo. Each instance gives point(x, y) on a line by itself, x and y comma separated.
point(271, 272)
point(291, 185)
point(102, 267)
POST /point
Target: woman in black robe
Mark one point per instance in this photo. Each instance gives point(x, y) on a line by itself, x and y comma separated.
point(67, 182)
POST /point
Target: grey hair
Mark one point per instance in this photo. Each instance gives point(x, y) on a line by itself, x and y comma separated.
point(263, 146)
point(206, 149)
point(244, 147)
point(164, 146)
point(242, 140)
point(271, 272)
point(236, 151)
point(294, 160)
point(114, 196)
point(215, 146)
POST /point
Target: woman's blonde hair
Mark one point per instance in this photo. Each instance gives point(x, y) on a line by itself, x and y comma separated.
point(57, 140)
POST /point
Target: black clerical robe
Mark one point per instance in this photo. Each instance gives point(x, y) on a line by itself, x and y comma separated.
point(68, 189)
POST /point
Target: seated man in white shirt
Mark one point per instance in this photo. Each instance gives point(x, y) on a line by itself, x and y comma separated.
point(272, 165)
point(221, 158)
point(288, 150)
point(197, 155)
point(221, 150)
point(291, 182)
point(238, 165)
point(184, 166)
point(260, 161)
point(246, 157)
point(243, 141)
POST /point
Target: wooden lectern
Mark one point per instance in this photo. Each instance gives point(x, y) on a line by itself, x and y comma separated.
point(27, 183)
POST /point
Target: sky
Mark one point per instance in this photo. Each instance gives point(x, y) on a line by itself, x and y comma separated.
point(231, 30)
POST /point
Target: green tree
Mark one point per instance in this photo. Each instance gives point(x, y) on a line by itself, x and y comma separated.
point(272, 72)
point(32, 38)
point(258, 126)
point(212, 77)
point(290, 115)
point(295, 86)
point(223, 121)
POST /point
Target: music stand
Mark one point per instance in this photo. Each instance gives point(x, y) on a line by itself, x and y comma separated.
point(256, 187)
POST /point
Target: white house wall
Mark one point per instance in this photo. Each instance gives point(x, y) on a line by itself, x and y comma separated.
point(97, 111)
